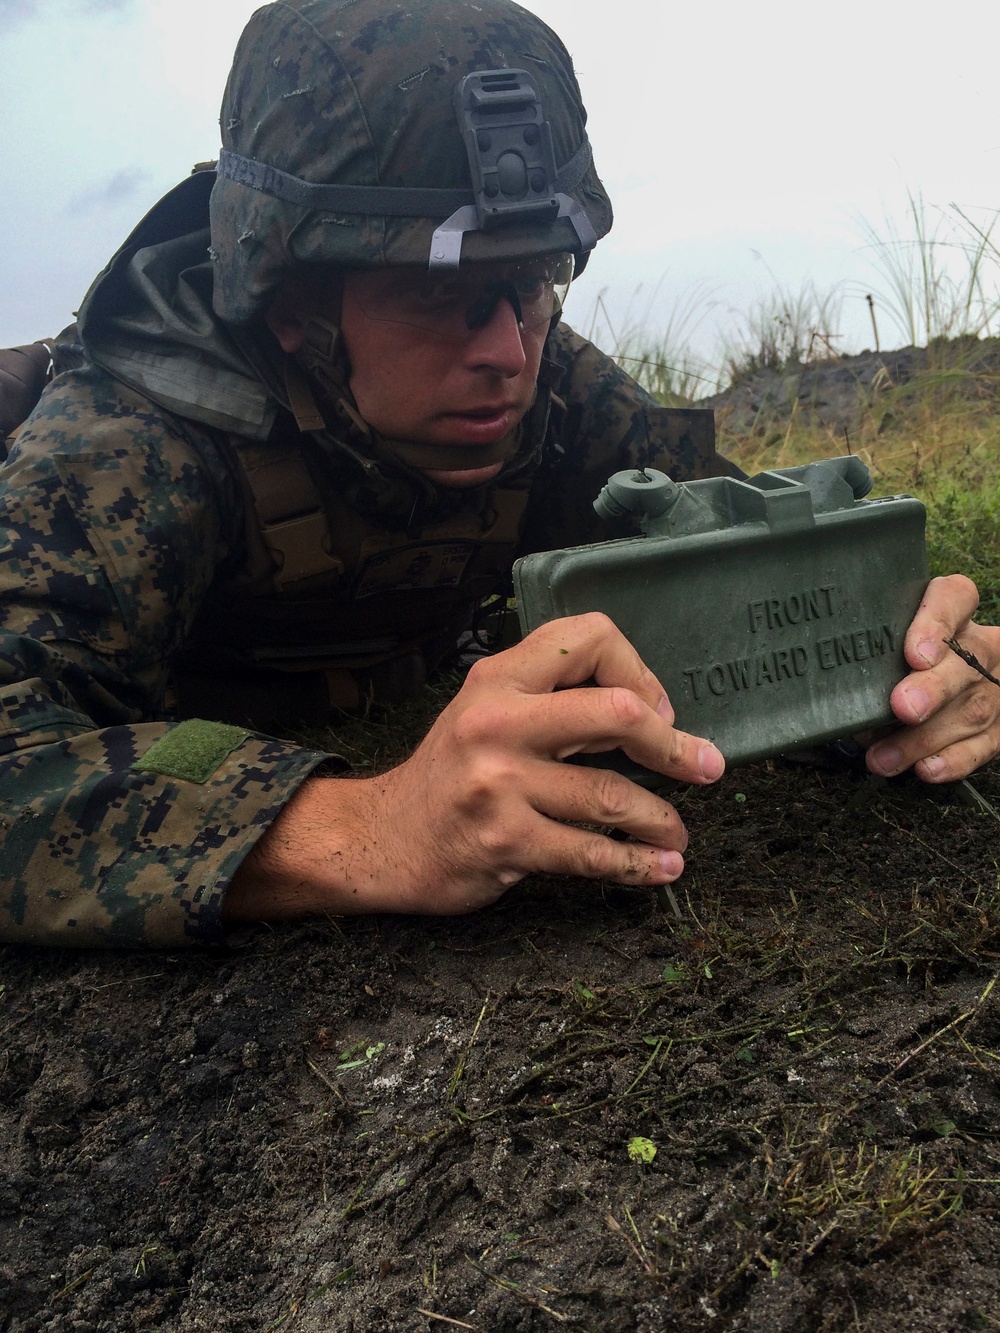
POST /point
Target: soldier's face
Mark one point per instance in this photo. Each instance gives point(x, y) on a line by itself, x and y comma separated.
point(433, 387)
point(411, 383)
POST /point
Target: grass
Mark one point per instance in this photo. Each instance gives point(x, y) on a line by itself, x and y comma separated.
point(938, 440)
point(868, 1193)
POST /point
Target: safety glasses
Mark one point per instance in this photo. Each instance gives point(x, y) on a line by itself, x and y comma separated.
point(454, 304)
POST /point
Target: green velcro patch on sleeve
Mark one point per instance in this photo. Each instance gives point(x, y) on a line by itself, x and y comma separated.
point(192, 751)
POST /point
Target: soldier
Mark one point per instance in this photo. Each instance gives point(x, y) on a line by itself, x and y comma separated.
point(325, 399)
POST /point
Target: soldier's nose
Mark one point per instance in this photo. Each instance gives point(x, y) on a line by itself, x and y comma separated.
point(496, 343)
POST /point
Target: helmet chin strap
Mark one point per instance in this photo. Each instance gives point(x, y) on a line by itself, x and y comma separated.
point(321, 360)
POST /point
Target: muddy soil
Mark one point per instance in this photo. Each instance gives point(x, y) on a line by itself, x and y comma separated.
point(767, 1101)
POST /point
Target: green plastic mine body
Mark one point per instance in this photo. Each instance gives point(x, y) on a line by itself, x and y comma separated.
point(773, 610)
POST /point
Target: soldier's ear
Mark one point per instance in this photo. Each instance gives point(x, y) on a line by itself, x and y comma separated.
point(286, 319)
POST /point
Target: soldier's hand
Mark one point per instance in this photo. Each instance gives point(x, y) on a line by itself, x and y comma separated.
point(484, 801)
point(23, 372)
point(951, 711)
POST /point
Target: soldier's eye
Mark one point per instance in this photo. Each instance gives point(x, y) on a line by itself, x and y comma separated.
point(531, 285)
point(434, 293)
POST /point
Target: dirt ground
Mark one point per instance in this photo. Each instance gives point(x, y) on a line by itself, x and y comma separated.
point(410, 1124)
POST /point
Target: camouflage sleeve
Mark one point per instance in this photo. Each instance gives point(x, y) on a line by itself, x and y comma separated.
point(604, 422)
point(113, 521)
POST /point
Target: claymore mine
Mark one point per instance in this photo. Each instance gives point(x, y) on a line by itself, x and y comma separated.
point(773, 610)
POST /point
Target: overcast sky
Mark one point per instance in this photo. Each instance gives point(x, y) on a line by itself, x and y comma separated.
point(741, 144)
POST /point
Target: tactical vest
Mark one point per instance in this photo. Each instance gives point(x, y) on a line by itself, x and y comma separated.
point(333, 610)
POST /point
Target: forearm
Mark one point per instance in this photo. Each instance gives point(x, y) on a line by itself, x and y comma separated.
point(323, 854)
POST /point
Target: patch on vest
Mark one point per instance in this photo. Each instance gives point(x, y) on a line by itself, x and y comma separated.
point(438, 564)
point(193, 751)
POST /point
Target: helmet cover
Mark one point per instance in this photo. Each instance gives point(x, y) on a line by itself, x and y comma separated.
point(362, 93)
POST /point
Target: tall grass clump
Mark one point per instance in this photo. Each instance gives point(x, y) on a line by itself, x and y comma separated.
point(654, 343)
point(939, 276)
point(783, 330)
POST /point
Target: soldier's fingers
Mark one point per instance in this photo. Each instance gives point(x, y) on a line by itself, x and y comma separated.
point(948, 764)
point(948, 604)
point(592, 720)
point(588, 721)
point(957, 761)
point(563, 850)
point(954, 690)
point(922, 694)
point(959, 737)
point(570, 651)
point(601, 796)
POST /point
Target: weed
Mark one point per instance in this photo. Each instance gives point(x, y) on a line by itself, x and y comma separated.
point(865, 1194)
point(359, 1054)
point(783, 331)
point(655, 346)
point(940, 275)
point(146, 1254)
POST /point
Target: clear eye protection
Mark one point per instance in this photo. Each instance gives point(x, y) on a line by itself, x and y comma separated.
point(452, 303)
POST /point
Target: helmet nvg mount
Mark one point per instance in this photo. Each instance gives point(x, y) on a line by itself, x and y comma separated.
point(514, 176)
point(387, 133)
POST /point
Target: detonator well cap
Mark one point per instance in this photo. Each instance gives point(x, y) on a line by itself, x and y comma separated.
point(379, 133)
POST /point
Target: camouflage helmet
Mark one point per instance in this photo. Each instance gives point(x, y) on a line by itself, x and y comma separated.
point(353, 136)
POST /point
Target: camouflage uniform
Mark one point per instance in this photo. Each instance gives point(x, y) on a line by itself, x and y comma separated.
point(127, 528)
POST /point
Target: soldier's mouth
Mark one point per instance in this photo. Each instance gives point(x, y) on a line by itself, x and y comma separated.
point(480, 425)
